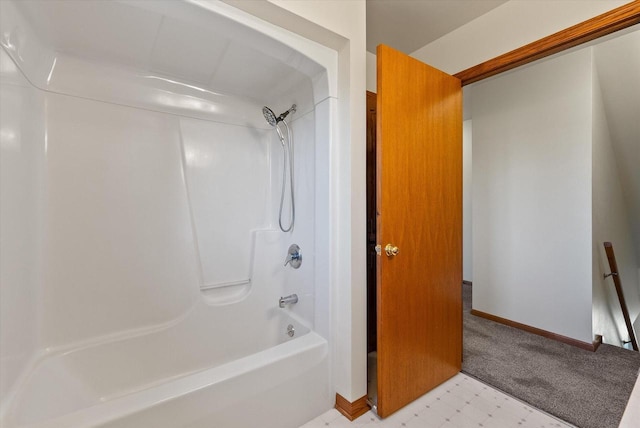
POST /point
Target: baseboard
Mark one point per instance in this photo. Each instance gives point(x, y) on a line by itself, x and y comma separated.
point(467, 283)
point(544, 333)
point(352, 410)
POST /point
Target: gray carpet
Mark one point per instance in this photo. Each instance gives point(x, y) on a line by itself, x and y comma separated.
point(587, 389)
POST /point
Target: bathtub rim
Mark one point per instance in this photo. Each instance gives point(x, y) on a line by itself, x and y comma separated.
point(307, 346)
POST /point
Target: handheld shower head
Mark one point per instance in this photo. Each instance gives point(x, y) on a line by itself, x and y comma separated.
point(287, 153)
point(271, 116)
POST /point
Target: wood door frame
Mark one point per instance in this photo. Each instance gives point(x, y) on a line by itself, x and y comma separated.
point(617, 19)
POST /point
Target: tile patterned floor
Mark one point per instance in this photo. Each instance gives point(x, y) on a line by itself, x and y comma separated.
point(461, 402)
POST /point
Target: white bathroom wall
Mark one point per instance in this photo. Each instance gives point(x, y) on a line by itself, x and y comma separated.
point(22, 156)
point(532, 203)
point(611, 222)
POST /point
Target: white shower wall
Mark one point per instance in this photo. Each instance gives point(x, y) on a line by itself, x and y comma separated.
point(118, 246)
point(237, 158)
point(235, 179)
point(21, 160)
point(116, 234)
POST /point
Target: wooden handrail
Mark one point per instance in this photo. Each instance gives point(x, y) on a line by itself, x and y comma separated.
point(613, 265)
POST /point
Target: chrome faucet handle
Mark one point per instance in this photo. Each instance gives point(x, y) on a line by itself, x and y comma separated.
point(293, 256)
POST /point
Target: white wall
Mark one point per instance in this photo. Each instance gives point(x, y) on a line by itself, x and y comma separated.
point(611, 222)
point(532, 195)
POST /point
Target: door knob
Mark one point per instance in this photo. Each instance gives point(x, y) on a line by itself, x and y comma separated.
point(391, 250)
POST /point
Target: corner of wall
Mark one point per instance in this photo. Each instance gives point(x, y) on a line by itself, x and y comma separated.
point(372, 72)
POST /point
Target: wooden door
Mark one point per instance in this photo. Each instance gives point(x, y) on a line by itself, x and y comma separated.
point(419, 207)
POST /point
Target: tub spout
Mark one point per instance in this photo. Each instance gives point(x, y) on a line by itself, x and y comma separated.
point(288, 300)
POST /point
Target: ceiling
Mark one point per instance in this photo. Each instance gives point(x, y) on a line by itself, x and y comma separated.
point(407, 25)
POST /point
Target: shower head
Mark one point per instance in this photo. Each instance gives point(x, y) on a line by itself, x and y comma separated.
point(271, 116)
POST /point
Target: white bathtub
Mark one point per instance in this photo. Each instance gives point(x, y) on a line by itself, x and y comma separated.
point(141, 258)
point(171, 378)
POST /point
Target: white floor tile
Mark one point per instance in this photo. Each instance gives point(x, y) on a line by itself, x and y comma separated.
point(314, 423)
point(461, 402)
point(369, 419)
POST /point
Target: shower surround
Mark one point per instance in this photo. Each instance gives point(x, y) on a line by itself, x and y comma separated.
point(141, 257)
